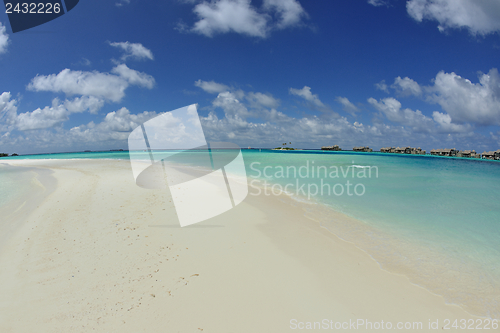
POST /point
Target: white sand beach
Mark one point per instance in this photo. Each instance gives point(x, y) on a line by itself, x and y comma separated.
point(100, 254)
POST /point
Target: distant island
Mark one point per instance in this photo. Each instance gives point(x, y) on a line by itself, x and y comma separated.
point(284, 147)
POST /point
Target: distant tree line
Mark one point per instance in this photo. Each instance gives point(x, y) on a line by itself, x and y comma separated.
point(5, 155)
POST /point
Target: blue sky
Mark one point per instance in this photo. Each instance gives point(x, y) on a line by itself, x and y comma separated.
point(378, 73)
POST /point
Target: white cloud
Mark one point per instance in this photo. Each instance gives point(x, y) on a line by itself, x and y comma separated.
point(80, 104)
point(478, 16)
point(391, 108)
point(444, 120)
point(51, 116)
point(239, 16)
point(42, 118)
point(122, 2)
point(211, 86)
point(465, 101)
point(418, 122)
point(134, 77)
point(229, 16)
point(8, 111)
point(133, 50)
point(4, 39)
point(406, 86)
point(123, 121)
point(84, 62)
point(112, 132)
point(348, 106)
point(232, 107)
point(382, 86)
point(290, 12)
point(105, 86)
point(262, 100)
point(306, 94)
point(272, 128)
point(377, 3)
point(255, 99)
point(115, 127)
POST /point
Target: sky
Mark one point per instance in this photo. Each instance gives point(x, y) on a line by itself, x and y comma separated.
point(378, 73)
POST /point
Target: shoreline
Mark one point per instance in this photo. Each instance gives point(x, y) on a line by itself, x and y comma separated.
point(271, 150)
point(15, 210)
point(267, 245)
point(369, 239)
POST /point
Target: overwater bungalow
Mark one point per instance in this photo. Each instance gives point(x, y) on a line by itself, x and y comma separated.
point(400, 150)
point(468, 154)
point(404, 150)
point(363, 149)
point(334, 148)
point(492, 155)
point(444, 152)
point(387, 150)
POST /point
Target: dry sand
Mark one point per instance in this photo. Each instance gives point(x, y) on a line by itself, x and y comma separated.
point(101, 254)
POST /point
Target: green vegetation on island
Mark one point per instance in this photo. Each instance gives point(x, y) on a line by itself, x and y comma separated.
point(284, 147)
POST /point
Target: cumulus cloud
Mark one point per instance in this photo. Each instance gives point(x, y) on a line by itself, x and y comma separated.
point(232, 107)
point(229, 16)
point(115, 128)
point(382, 86)
point(134, 77)
point(444, 120)
point(255, 99)
point(416, 120)
point(112, 131)
point(4, 39)
point(391, 108)
point(306, 94)
point(107, 86)
point(271, 128)
point(8, 111)
point(42, 118)
point(49, 116)
point(478, 16)
point(462, 100)
point(262, 100)
point(81, 104)
point(211, 86)
point(406, 86)
point(347, 105)
point(289, 12)
point(311, 131)
point(239, 16)
point(133, 50)
point(465, 101)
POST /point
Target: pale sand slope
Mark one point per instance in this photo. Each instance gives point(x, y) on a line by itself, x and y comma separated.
point(101, 254)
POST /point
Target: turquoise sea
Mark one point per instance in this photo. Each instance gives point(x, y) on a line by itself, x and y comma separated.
point(434, 219)
point(15, 182)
